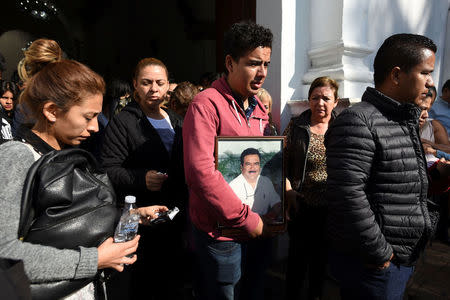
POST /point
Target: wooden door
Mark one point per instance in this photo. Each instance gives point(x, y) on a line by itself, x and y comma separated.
point(227, 13)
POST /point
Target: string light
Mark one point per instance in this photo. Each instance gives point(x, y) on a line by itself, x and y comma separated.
point(27, 45)
point(39, 9)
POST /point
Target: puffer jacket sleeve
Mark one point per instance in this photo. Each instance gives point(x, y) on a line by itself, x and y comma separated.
point(114, 152)
point(350, 154)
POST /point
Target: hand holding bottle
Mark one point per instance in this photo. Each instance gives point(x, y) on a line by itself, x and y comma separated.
point(116, 255)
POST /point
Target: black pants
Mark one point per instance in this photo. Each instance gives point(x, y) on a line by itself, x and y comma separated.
point(442, 228)
point(307, 257)
point(159, 270)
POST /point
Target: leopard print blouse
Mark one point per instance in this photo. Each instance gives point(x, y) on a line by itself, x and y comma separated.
point(314, 185)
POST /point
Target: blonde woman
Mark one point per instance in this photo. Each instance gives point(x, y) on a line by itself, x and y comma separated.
point(65, 98)
point(266, 100)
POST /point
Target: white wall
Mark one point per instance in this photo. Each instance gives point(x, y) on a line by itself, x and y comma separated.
point(269, 14)
point(425, 17)
point(289, 22)
point(445, 69)
point(355, 29)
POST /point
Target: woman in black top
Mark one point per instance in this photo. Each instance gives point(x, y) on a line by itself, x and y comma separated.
point(142, 154)
point(306, 172)
point(65, 98)
point(8, 97)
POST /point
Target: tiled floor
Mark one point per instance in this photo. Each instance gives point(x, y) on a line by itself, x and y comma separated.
point(431, 280)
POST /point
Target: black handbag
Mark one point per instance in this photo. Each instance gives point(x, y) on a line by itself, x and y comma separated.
point(66, 203)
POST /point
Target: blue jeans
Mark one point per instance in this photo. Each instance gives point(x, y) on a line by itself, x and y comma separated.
point(217, 267)
point(359, 282)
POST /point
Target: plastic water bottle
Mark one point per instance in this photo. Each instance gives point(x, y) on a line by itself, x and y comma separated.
point(128, 225)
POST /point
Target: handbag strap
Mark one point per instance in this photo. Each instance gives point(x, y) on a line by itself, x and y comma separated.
point(26, 207)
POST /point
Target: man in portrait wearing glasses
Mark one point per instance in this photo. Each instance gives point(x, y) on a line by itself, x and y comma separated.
point(255, 190)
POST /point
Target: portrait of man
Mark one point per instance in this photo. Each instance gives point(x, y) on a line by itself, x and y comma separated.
point(255, 190)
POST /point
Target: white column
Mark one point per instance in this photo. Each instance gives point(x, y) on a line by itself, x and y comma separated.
point(339, 46)
point(445, 73)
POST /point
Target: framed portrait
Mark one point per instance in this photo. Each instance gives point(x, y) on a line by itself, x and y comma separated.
point(253, 167)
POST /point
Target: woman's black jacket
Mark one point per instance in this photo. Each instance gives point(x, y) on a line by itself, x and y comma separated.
point(377, 182)
point(297, 142)
point(131, 147)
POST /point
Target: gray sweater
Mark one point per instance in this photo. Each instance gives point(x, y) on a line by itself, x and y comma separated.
point(42, 263)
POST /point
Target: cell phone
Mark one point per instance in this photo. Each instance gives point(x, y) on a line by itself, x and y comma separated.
point(165, 216)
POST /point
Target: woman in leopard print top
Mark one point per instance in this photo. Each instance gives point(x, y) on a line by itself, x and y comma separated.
point(306, 183)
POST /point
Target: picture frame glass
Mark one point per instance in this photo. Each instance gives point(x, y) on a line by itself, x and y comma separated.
point(253, 167)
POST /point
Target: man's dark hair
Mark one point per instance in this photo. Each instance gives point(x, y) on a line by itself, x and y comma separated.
point(249, 151)
point(9, 86)
point(446, 85)
point(402, 50)
point(244, 37)
point(118, 88)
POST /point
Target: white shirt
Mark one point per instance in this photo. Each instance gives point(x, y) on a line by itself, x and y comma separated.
point(266, 198)
point(5, 129)
point(427, 132)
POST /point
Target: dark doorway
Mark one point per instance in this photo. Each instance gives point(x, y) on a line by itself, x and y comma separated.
point(227, 13)
point(111, 36)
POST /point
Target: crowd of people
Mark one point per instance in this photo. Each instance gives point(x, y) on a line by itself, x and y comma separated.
point(364, 192)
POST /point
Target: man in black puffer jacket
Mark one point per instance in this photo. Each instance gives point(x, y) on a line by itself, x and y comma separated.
point(379, 215)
